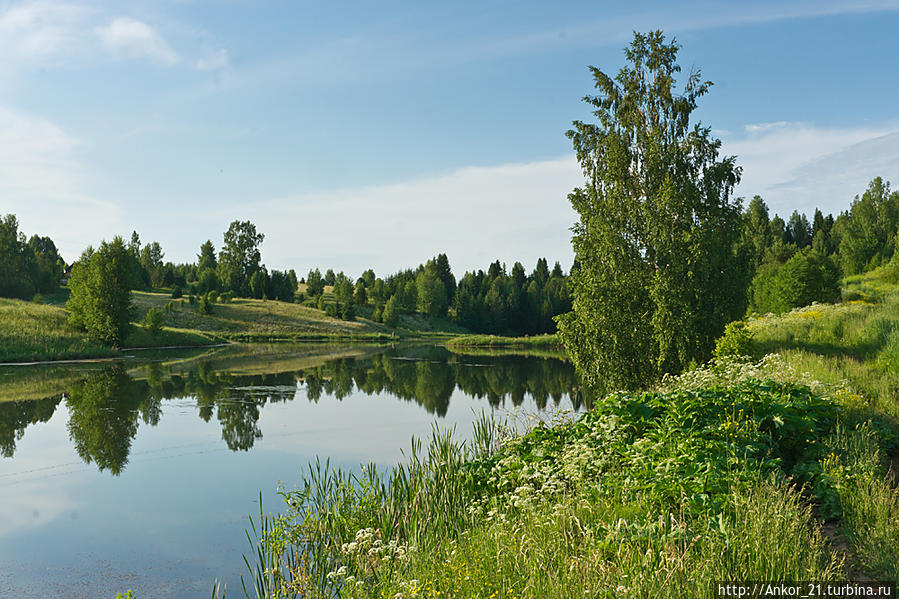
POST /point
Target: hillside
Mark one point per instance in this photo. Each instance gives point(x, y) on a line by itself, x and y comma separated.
point(35, 331)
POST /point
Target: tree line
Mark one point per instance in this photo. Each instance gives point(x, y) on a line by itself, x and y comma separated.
point(498, 301)
point(27, 267)
point(796, 262)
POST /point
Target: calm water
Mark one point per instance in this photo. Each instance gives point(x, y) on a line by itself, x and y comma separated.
point(140, 474)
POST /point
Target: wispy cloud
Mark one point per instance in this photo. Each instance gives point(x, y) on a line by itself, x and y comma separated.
point(38, 30)
point(40, 33)
point(796, 166)
point(136, 38)
point(215, 60)
point(475, 215)
point(41, 182)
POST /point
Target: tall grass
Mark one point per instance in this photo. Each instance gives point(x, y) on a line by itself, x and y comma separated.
point(30, 331)
point(494, 341)
point(655, 494)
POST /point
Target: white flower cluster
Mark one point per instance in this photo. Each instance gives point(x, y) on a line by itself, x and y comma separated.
point(368, 552)
point(732, 371)
point(524, 484)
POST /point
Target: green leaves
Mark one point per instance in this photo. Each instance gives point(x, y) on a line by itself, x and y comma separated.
point(659, 271)
point(100, 300)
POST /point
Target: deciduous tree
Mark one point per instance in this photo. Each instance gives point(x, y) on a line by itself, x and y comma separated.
point(658, 273)
point(100, 300)
point(240, 256)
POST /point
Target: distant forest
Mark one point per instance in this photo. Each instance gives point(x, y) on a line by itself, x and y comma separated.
point(788, 263)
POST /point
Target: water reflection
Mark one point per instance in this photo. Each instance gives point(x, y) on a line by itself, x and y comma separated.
point(107, 406)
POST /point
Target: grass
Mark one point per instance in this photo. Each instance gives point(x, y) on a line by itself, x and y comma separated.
point(38, 332)
point(654, 494)
point(780, 469)
point(250, 319)
point(496, 341)
point(41, 332)
point(30, 331)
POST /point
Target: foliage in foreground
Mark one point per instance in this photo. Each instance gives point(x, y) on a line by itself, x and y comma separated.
point(721, 475)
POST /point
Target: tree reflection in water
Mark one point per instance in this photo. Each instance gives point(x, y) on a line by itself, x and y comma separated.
point(107, 407)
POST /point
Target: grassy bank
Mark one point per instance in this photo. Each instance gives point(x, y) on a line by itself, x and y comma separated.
point(38, 332)
point(250, 319)
point(500, 342)
point(32, 332)
point(773, 468)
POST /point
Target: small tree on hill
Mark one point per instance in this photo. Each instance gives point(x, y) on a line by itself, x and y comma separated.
point(100, 300)
point(391, 316)
point(153, 321)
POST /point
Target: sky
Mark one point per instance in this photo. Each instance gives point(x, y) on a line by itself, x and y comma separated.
point(371, 134)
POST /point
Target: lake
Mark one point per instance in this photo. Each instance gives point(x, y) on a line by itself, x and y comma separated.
point(141, 473)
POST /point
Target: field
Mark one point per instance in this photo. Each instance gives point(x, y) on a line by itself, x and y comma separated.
point(31, 331)
point(256, 320)
point(778, 466)
point(38, 332)
point(495, 341)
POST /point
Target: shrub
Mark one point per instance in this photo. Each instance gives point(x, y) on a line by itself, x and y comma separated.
point(390, 316)
point(347, 311)
point(100, 298)
point(736, 341)
point(153, 321)
point(805, 278)
point(177, 292)
point(205, 306)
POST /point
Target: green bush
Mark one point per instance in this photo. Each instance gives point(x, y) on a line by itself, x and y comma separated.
point(177, 292)
point(205, 306)
point(153, 321)
point(736, 340)
point(805, 278)
point(100, 297)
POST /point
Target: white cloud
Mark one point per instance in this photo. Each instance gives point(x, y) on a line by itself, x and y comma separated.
point(40, 182)
point(38, 30)
point(124, 34)
point(214, 60)
point(521, 212)
point(476, 215)
point(796, 166)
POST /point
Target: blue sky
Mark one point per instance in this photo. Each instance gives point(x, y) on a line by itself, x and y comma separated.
point(377, 134)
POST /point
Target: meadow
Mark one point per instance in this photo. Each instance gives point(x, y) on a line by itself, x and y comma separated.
point(500, 342)
point(778, 465)
point(31, 331)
